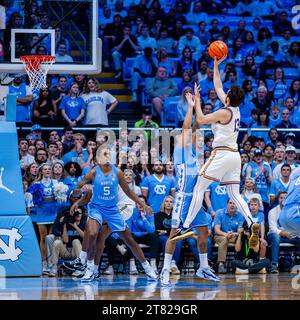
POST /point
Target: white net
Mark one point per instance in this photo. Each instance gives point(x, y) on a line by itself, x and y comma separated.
point(37, 68)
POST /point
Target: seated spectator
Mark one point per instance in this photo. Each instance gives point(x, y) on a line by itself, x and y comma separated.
point(97, 101)
point(191, 41)
point(68, 232)
point(262, 101)
point(72, 107)
point(202, 34)
point(294, 92)
point(250, 191)
point(207, 84)
point(279, 89)
point(285, 122)
point(226, 224)
point(248, 260)
point(197, 15)
point(165, 61)
point(61, 55)
point(202, 73)
point(163, 228)
point(157, 186)
point(281, 24)
point(291, 157)
point(269, 153)
point(273, 137)
point(230, 80)
point(285, 42)
point(294, 110)
point(166, 41)
point(261, 172)
point(262, 122)
point(156, 27)
point(215, 197)
point(214, 30)
point(237, 53)
point(277, 234)
point(293, 55)
point(249, 42)
point(278, 55)
point(214, 100)
point(159, 88)
point(53, 155)
point(281, 184)
point(264, 37)
point(142, 226)
point(182, 106)
point(275, 116)
point(185, 82)
point(249, 68)
point(186, 63)
point(145, 41)
point(144, 66)
point(124, 46)
point(268, 66)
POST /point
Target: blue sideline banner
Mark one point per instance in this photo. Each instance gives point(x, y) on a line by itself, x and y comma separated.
point(19, 250)
point(11, 189)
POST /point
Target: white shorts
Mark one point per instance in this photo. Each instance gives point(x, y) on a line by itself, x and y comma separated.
point(224, 165)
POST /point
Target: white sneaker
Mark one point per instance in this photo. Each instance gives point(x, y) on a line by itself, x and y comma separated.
point(133, 271)
point(207, 274)
point(241, 271)
point(78, 273)
point(165, 278)
point(53, 271)
point(174, 269)
point(263, 271)
point(151, 274)
point(109, 270)
point(46, 270)
point(89, 275)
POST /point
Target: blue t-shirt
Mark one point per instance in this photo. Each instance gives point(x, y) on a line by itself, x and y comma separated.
point(258, 217)
point(218, 196)
point(75, 157)
point(277, 187)
point(21, 109)
point(293, 195)
point(158, 189)
point(71, 183)
point(228, 223)
point(72, 106)
point(138, 226)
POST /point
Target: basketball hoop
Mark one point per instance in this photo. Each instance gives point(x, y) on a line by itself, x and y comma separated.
point(37, 68)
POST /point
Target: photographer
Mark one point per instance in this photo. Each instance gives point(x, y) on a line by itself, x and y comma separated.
point(248, 260)
point(146, 122)
point(68, 231)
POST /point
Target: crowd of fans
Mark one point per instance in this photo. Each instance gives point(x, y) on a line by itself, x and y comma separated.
point(168, 40)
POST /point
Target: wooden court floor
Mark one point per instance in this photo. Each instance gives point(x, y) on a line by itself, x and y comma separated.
point(285, 286)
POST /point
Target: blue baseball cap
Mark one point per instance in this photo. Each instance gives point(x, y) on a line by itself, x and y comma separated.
point(36, 127)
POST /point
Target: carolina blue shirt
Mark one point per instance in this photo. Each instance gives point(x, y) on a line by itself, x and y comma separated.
point(75, 157)
point(277, 187)
point(71, 183)
point(293, 195)
point(22, 110)
point(258, 217)
point(140, 227)
point(261, 182)
point(218, 196)
point(72, 106)
point(228, 223)
point(158, 189)
point(143, 64)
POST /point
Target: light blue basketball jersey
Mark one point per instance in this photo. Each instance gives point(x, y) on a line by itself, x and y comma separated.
point(293, 193)
point(105, 191)
point(186, 168)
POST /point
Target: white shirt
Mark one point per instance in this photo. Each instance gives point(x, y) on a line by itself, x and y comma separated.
point(225, 135)
point(273, 220)
point(96, 107)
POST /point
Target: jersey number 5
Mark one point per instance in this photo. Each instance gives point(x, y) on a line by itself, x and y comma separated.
point(106, 191)
point(236, 125)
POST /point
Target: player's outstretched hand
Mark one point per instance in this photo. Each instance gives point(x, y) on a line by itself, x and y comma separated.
point(219, 61)
point(190, 99)
point(197, 89)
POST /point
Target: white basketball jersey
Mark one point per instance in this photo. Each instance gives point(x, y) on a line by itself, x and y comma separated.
point(225, 135)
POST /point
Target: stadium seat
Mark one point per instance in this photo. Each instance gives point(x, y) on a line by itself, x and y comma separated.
point(127, 69)
point(290, 73)
point(169, 112)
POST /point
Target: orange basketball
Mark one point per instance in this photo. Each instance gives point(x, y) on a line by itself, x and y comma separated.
point(218, 49)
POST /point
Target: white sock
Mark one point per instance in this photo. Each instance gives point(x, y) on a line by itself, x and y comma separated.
point(96, 267)
point(91, 264)
point(83, 257)
point(203, 260)
point(173, 263)
point(153, 263)
point(167, 261)
point(132, 264)
point(146, 265)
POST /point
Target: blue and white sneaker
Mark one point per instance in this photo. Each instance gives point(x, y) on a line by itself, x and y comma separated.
point(89, 275)
point(207, 274)
point(165, 278)
point(74, 265)
point(151, 274)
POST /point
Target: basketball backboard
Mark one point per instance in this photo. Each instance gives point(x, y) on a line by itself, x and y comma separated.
point(67, 29)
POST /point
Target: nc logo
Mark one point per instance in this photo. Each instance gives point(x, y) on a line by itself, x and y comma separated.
point(160, 189)
point(221, 190)
point(10, 251)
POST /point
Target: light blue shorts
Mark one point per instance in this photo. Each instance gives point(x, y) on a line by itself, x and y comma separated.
point(112, 216)
point(180, 211)
point(289, 219)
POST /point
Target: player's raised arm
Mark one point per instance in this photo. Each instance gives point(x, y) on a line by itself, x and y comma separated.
point(217, 81)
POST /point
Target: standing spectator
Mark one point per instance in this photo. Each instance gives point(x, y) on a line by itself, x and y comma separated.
point(31, 173)
point(291, 156)
point(250, 191)
point(58, 171)
point(227, 222)
point(77, 153)
point(25, 158)
point(61, 56)
point(52, 153)
point(157, 186)
point(161, 87)
point(73, 174)
point(58, 92)
point(97, 101)
point(124, 46)
point(273, 137)
point(216, 198)
point(281, 184)
point(163, 228)
point(277, 234)
point(41, 156)
point(144, 66)
point(2, 17)
point(142, 226)
point(69, 231)
point(43, 110)
point(67, 138)
point(72, 107)
point(191, 41)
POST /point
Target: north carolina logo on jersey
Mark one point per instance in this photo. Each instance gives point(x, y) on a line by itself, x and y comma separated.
point(220, 190)
point(10, 251)
point(160, 189)
point(297, 182)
